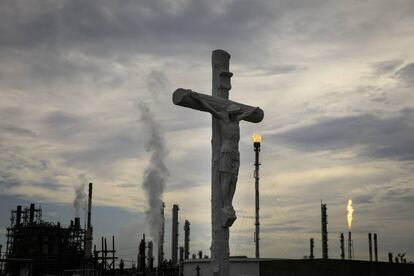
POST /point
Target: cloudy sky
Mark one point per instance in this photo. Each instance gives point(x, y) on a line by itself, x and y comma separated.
point(335, 79)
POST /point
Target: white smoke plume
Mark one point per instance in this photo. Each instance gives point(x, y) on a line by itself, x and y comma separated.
point(156, 173)
point(80, 201)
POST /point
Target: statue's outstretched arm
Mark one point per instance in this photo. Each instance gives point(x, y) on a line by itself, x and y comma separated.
point(246, 114)
point(213, 111)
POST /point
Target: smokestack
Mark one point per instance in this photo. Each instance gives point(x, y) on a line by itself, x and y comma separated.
point(311, 245)
point(390, 259)
point(349, 245)
point(161, 237)
point(324, 217)
point(370, 246)
point(375, 247)
point(342, 242)
point(256, 145)
point(141, 256)
point(88, 225)
point(150, 256)
point(187, 240)
point(200, 254)
point(18, 215)
point(181, 268)
point(89, 230)
point(174, 246)
point(31, 214)
point(77, 223)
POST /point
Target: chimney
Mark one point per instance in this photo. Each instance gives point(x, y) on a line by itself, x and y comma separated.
point(18, 215)
point(256, 146)
point(141, 256)
point(161, 238)
point(89, 231)
point(186, 240)
point(324, 218)
point(31, 214)
point(174, 246)
point(375, 247)
point(150, 256)
point(349, 245)
point(370, 246)
point(311, 245)
point(77, 223)
point(200, 254)
point(390, 257)
point(88, 225)
point(181, 267)
point(342, 242)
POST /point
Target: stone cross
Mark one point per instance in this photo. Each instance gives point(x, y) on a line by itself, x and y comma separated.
point(197, 269)
point(225, 155)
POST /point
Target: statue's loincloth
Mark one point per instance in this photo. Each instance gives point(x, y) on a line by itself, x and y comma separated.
point(229, 162)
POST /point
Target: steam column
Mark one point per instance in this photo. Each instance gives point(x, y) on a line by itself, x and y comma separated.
point(174, 246)
point(256, 144)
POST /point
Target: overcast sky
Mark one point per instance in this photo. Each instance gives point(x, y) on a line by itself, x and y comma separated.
point(334, 78)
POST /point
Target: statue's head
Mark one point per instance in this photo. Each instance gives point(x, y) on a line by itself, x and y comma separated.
point(233, 109)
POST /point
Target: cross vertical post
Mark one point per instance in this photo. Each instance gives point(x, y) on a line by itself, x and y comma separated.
point(221, 85)
point(225, 152)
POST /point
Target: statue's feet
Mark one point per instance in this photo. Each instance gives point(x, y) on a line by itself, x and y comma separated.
point(228, 216)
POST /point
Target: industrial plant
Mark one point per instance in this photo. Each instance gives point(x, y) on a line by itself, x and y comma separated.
point(38, 247)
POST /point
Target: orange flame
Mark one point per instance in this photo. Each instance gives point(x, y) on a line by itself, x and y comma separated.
point(257, 138)
point(350, 210)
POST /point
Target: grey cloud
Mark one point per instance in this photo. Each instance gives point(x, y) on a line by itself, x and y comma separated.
point(269, 70)
point(112, 147)
point(386, 67)
point(18, 131)
point(388, 136)
point(66, 22)
point(406, 74)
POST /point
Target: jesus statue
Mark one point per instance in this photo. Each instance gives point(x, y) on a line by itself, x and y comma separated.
point(229, 153)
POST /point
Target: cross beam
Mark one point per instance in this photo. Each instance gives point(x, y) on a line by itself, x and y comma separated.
point(183, 97)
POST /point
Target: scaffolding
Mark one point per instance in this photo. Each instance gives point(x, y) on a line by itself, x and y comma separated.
point(49, 247)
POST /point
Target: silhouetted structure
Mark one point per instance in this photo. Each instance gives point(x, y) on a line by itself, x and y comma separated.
point(342, 245)
point(311, 246)
point(89, 230)
point(42, 247)
point(161, 238)
point(150, 257)
point(324, 222)
point(141, 257)
point(105, 258)
point(186, 240)
point(174, 239)
point(370, 246)
point(256, 146)
point(350, 250)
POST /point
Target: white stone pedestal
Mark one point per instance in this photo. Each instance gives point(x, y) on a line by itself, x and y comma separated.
point(238, 267)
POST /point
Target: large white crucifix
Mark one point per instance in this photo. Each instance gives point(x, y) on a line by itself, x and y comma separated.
point(225, 152)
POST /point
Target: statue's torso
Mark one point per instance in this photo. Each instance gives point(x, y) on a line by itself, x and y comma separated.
point(230, 135)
